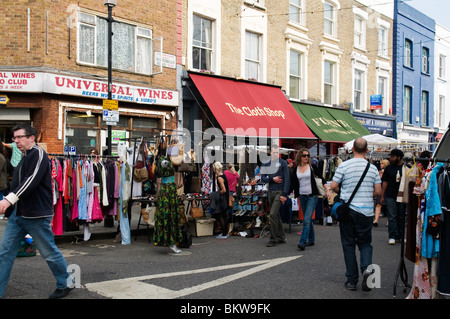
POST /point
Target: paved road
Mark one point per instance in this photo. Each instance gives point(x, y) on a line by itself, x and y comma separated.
point(236, 268)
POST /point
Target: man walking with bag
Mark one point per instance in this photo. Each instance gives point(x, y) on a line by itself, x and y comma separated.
point(357, 228)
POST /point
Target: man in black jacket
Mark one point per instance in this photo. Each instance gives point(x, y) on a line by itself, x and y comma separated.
point(31, 196)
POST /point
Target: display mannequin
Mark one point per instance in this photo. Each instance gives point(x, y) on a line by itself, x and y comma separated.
point(167, 218)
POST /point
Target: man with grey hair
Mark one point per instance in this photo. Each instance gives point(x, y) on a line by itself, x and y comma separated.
point(357, 229)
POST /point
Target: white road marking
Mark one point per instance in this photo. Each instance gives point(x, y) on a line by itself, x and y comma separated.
point(135, 288)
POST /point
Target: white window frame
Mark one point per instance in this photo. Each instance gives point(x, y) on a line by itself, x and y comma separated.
point(424, 108)
point(383, 38)
point(441, 112)
point(360, 28)
point(442, 67)
point(361, 90)
point(207, 47)
point(408, 53)
point(250, 60)
point(425, 60)
point(332, 84)
point(140, 32)
point(407, 104)
point(333, 20)
point(297, 10)
point(383, 90)
point(299, 77)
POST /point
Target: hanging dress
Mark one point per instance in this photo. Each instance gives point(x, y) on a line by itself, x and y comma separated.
point(167, 219)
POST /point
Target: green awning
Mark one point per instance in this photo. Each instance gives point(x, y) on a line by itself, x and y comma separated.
point(330, 124)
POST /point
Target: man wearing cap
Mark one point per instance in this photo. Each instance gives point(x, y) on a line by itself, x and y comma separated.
point(390, 184)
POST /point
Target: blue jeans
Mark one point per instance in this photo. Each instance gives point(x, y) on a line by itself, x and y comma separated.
point(357, 231)
point(396, 215)
point(308, 204)
point(41, 232)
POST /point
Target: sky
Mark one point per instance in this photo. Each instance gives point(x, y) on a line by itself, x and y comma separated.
point(438, 10)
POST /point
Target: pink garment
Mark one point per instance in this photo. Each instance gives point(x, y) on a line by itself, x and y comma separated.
point(232, 179)
point(74, 208)
point(57, 221)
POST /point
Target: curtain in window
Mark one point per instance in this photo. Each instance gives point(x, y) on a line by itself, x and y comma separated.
point(86, 47)
point(123, 47)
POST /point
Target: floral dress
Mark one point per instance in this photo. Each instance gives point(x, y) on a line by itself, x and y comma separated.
point(167, 218)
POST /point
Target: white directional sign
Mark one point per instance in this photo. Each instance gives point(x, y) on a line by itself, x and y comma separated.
point(111, 116)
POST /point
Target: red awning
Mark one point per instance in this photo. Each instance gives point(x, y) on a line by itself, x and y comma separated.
point(251, 109)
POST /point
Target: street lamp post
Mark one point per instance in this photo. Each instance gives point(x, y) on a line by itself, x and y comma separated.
point(110, 4)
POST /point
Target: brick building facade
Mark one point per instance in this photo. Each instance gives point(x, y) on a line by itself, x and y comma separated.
point(53, 69)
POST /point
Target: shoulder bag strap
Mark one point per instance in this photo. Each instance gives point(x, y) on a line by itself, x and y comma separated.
point(359, 183)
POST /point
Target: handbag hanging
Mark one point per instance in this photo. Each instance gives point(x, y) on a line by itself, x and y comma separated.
point(320, 188)
point(140, 171)
point(196, 212)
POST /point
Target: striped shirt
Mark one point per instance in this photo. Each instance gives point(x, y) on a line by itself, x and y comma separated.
point(349, 173)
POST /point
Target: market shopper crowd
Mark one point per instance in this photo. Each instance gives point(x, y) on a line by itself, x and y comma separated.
point(282, 177)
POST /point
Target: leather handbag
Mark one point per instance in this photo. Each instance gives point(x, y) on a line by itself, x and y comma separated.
point(140, 171)
point(196, 184)
point(341, 210)
point(196, 212)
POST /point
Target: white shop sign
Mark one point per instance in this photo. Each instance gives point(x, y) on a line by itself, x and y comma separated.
point(61, 84)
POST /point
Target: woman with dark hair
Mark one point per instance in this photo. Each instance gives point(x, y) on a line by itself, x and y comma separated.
point(304, 185)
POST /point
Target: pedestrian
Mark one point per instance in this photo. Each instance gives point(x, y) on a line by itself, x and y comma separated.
point(220, 211)
point(232, 177)
point(395, 211)
point(276, 173)
point(31, 196)
point(356, 230)
point(3, 171)
point(383, 164)
point(304, 186)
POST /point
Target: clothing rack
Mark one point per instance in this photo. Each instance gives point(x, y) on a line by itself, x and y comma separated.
point(401, 270)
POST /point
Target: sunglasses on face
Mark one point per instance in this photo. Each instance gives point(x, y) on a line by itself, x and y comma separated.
point(305, 155)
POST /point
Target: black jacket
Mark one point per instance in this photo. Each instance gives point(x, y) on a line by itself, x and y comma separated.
point(295, 184)
point(31, 186)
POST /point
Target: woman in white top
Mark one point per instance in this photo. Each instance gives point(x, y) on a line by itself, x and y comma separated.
point(304, 186)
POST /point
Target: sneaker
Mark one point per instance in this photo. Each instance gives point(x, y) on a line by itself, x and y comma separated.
point(301, 247)
point(391, 241)
point(364, 285)
point(350, 286)
point(271, 244)
point(60, 293)
point(175, 249)
point(222, 236)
